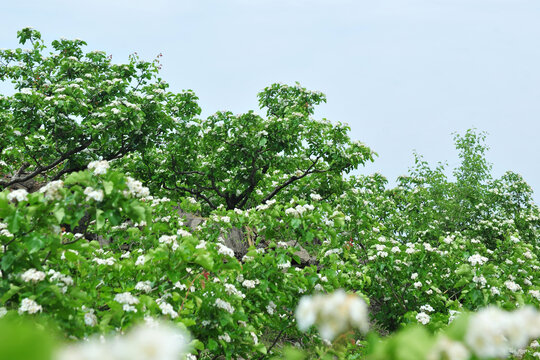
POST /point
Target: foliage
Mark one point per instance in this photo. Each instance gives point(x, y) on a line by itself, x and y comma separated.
point(241, 161)
point(248, 213)
point(72, 107)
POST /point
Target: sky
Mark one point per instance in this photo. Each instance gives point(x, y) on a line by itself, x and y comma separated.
point(404, 74)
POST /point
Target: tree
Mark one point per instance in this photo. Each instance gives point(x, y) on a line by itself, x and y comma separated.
point(241, 161)
point(72, 107)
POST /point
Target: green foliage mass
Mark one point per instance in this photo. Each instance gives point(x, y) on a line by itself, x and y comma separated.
point(93, 252)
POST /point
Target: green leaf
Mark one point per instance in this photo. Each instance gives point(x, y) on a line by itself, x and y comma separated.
point(137, 212)
point(71, 256)
point(13, 289)
point(461, 282)
point(81, 177)
point(413, 344)
point(100, 219)
point(212, 345)
point(464, 269)
point(197, 344)
point(339, 221)
point(189, 322)
point(59, 213)
point(205, 260)
point(261, 348)
point(14, 222)
point(108, 187)
point(7, 260)
point(113, 216)
point(290, 353)
point(34, 243)
point(5, 208)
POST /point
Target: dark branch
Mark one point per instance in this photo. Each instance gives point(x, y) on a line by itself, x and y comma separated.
point(309, 170)
point(41, 169)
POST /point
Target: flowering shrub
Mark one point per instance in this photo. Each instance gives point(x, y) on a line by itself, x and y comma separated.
point(120, 208)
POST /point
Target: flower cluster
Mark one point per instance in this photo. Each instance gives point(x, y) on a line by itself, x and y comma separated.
point(29, 306)
point(19, 195)
point(136, 188)
point(493, 333)
point(93, 194)
point(151, 341)
point(52, 190)
point(33, 275)
point(333, 314)
point(99, 167)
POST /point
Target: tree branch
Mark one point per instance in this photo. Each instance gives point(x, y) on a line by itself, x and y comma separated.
point(294, 178)
point(17, 179)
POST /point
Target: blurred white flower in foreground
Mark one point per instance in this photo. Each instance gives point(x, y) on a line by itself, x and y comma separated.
point(155, 341)
point(333, 314)
point(446, 348)
point(493, 333)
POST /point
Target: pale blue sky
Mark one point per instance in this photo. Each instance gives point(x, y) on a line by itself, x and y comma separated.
point(404, 74)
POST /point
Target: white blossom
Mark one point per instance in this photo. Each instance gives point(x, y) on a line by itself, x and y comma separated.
point(110, 261)
point(52, 190)
point(141, 259)
point(224, 250)
point(232, 290)
point(126, 298)
point(179, 285)
point(136, 188)
point(333, 313)
point(477, 259)
point(512, 286)
point(445, 348)
point(29, 306)
point(144, 286)
point(149, 341)
point(167, 309)
point(222, 304)
point(19, 195)
point(271, 307)
point(90, 319)
point(225, 337)
point(423, 318)
point(33, 275)
point(94, 194)
point(493, 333)
point(284, 265)
point(100, 167)
point(250, 284)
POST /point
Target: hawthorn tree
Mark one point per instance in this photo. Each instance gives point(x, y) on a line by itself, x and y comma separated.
point(241, 161)
point(447, 242)
point(71, 107)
